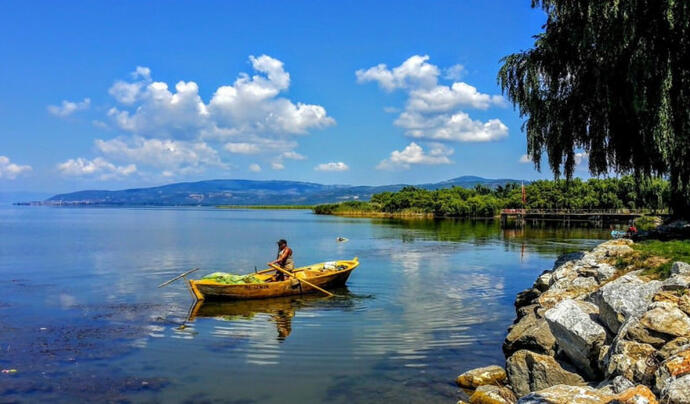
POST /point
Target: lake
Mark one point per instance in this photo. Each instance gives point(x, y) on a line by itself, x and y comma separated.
point(82, 319)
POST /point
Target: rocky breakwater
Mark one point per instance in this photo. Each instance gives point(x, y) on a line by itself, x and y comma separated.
point(587, 332)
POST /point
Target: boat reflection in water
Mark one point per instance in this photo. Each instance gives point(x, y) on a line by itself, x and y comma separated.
point(280, 310)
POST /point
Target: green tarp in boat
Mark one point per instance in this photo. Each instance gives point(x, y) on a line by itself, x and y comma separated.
point(232, 279)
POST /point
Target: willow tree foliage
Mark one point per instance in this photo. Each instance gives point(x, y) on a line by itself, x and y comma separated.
point(610, 78)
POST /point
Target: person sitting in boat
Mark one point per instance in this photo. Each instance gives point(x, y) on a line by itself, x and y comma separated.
point(283, 259)
point(632, 230)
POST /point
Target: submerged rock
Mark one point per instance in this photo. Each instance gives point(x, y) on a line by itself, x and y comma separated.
point(493, 395)
point(625, 297)
point(482, 376)
point(577, 335)
point(528, 371)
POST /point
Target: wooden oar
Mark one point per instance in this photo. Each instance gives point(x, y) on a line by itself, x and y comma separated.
point(178, 277)
point(277, 268)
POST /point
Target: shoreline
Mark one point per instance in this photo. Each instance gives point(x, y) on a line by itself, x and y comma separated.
point(266, 207)
point(607, 325)
point(403, 215)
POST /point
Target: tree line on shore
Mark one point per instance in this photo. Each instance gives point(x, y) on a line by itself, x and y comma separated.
point(650, 194)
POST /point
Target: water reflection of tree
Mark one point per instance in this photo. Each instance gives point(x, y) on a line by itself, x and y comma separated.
point(478, 231)
point(543, 237)
point(550, 238)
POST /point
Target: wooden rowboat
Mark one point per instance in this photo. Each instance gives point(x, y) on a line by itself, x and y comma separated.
point(323, 275)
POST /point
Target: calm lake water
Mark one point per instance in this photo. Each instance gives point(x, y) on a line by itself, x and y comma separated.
point(81, 318)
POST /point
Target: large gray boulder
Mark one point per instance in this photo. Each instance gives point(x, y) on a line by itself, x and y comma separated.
point(620, 384)
point(577, 287)
point(679, 268)
point(678, 282)
point(531, 333)
point(622, 298)
point(677, 392)
point(577, 335)
point(599, 271)
point(528, 371)
point(615, 386)
point(666, 318)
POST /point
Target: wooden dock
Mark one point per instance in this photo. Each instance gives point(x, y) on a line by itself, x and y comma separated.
point(600, 218)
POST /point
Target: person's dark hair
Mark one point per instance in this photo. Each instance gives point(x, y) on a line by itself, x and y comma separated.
point(282, 242)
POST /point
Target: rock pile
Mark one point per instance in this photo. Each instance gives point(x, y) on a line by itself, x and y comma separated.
point(587, 333)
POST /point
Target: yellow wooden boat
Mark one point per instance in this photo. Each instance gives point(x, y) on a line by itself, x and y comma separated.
point(324, 275)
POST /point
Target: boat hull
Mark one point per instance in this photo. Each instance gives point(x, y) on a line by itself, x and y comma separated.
point(204, 290)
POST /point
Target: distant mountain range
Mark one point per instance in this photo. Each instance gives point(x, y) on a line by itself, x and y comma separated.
point(247, 192)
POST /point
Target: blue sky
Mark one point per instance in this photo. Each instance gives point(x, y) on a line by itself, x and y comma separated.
point(120, 94)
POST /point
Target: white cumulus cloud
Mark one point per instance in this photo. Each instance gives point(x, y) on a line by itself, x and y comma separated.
point(455, 72)
point(249, 106)
point(580, 157)
point(67, 108)
point(243, 148)
point(447, 98)
point(175, 131)
point(255, 168)
point(293, 155)
point(414, 154)
point(171, 156)
point(332, 166)
point(457, 127)
point(10, 170)
point(435, 111)
point(414, 72)
point(98, 167)
point(128, 92)
point(261, 145)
